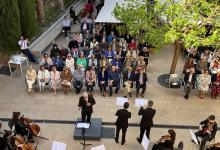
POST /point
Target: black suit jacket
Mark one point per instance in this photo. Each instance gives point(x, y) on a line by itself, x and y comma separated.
point(186, 78)
point(137, 77)
point(147, 116)
point(126, 78)
point(123, 116)
point(205, 125)
point(82, 104)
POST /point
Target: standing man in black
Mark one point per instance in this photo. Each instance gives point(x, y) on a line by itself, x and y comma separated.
point(85, 104)
point(146, 120)
point(122, 122)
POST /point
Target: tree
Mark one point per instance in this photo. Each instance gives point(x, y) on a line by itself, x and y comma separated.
point(28, 17)
point(171, 22)
point(192, 22)
point(10, 28)
point(40, 12)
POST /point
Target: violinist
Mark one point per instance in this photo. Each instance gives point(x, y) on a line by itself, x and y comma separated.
point(21, 128)
point(166, 141)
point(85, 104)
point(207, 131)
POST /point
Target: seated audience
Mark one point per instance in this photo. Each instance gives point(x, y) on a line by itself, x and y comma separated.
point(216, 86)
point(78, 76)
point(66, 80)
point(46, 61)
point(55, 51)
point(189, 81)
point(31, 77)
point(93, 62)
point(141, 80)
point(114, 80)
point(54, 79)
point(43, 78)
point(58, 62)
point(103, 80)
point(63, 52)
point(70, 62)
point(203, 83)
point(81, 61)
point(201, 65)
point(128, 79)
point(90, 79)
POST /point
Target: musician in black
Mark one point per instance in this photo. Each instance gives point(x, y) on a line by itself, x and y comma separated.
point(122, 122)
point(85, 104)
point(166, 141)
point(146, 120)
point(20, 127)
point(207, 131)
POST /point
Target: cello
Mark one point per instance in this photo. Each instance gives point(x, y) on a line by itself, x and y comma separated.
point(19, 142)
point(34, 128)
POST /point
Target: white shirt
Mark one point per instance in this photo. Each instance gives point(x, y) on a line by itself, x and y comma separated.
point(190, 78)
point(70, 63)
point(23, 44)
point(43, 74)
point(66, 23)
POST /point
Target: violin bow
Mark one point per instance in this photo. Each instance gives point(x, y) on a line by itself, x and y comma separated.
point(42, 137)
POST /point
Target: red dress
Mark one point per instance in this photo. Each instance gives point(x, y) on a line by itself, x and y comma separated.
point(216, 87)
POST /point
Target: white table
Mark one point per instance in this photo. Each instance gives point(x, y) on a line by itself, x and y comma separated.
point(17, 60)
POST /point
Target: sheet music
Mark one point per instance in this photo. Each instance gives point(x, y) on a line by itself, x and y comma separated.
point(120, 101)
point(100, 147)
point(140, 102)
point(58, 146)
point(145, 142)
point(193, 137)
point(83, 125)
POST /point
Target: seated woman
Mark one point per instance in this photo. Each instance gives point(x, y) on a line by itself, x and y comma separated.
point(166, 141)
point(46, 61)
point(43, 78)
point(55, 79)
point(31, 77)
point(188, 65)
point(70, 62)
point(109, 54)
point(216, 86)
point(55, 51)
point(58, 62)
point(90, 79)
point(103, 80)
point(103, 62)
point(82, 61)
point(66, 79)
point(203, 82)
point(128, 79)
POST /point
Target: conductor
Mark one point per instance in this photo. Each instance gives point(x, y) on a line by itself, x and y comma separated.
point(85, 104)
point(146, 120)
point(122, 122)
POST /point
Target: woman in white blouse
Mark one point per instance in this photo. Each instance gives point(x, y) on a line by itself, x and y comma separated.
point(43, 77)
point(55, 79)
point(70, 62)
point(31, 77)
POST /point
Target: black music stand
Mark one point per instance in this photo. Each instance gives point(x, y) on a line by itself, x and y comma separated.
point(83, 126)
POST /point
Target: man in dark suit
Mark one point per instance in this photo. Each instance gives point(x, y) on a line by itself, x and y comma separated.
point(85, 104)
point(128, 79)
point(122, 122)
point(141, 80)
point(189, 82)
point(146, 120)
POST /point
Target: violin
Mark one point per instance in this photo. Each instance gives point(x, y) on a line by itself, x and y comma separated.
point(164, 138)
point(216, 145)
point(19, 142)
point(34, 128)
point(209, 128)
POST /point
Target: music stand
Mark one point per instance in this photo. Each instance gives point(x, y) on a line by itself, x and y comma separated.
point(83, 126)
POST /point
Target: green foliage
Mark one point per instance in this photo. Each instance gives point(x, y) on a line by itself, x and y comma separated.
point(28, 17)
point(140, 20)
point(169, 21)
point(10, 28)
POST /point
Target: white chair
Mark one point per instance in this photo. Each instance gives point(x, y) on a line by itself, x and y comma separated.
point(174, 80)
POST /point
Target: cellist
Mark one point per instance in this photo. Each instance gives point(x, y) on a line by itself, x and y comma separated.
point(21, 128)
